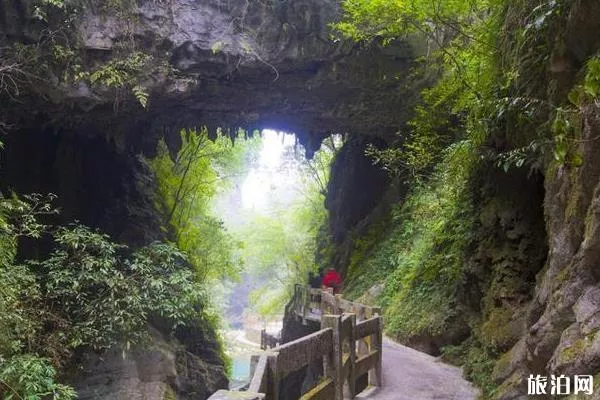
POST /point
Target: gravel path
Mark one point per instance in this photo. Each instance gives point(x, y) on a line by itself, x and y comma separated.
point(411, 375)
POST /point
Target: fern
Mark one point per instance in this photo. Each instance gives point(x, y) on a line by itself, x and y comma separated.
point(141, 95)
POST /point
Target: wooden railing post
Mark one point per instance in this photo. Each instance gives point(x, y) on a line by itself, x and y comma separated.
point(352, 346)
point(378, 344)
point(334, 368)
point(362, 344)
point(297, 303)
point(306, 305)
point(379, 367)
point(375, 375)
point(338, 309)
point(273, 377)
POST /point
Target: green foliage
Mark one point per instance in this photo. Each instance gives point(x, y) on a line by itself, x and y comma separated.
point(589, 90)
point(477, 362)
point(464, 63)
point(141, 95)
point(490, 48)
point(42, 9)
point(419, 256)
point(119, 73)
point(32, 378)
point(566, 124)
point(435, 223)
point(281, 249)
point(365, 19)
point(373, 259)
point(564, 128)
point(105, 298)
point(186, 186)
point(591, 84)
point(88, 292)
point(431, 130)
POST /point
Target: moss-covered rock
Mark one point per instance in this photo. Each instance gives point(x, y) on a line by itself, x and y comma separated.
point(502, 328)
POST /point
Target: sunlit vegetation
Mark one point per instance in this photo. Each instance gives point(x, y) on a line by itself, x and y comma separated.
point(420, 256)
point(186, 187)
point(89, 292)
point(281, 248)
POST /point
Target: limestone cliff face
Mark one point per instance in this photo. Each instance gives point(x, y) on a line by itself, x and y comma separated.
point(563, 317)
point(355, 187)
point(562, 320)
point(220, 63)
point(531, 288)
point(166, 369)
point(263, 64)
point(259, 64)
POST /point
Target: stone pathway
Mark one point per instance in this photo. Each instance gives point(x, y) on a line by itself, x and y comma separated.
point(411, 375)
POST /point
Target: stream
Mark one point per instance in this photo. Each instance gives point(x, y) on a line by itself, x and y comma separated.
point(241, 345)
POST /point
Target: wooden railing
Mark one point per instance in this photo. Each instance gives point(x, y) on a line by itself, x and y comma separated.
point(349, 344)
point(308, 300)
point(268, 341)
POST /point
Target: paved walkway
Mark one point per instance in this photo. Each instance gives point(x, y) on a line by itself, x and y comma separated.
point(411, 375)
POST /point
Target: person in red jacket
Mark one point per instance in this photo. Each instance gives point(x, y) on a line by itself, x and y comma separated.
point(333, 279)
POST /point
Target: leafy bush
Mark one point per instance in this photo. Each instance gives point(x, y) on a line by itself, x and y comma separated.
point(32, 378)
point(123, 72)
point(107, 297)
point(420, 256)
point(88, 292)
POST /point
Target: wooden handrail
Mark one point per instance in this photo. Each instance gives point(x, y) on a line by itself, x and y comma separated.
point(367, 327)
point(347, 348)
point(301, 352)
point(259, 382)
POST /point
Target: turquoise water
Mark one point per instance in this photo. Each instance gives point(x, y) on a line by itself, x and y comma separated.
point(240, 369)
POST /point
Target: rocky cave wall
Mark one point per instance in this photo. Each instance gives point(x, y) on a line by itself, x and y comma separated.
point(273, 65)
point(532, 287)
point(355, 188)
point(228, 64)
point(231, 64)
point(95, 184)
point(562, 319)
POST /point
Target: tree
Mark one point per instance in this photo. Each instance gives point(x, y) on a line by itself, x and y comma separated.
point(462, 57)
point(186, 187)
point(280, 248)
